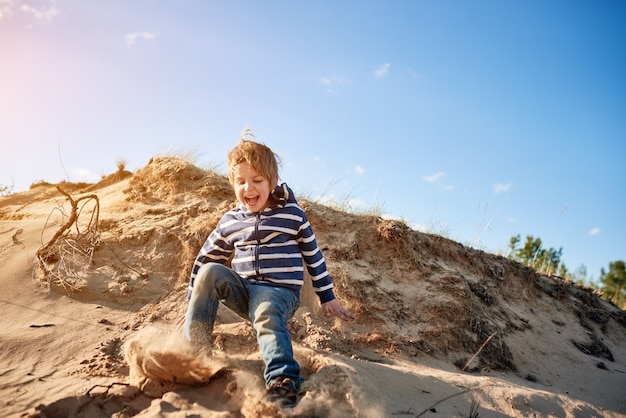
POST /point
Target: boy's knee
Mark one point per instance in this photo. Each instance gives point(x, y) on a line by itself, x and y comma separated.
point(212, 270)
point(207, 274)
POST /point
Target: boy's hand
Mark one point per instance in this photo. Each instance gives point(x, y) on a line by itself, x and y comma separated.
point(333, 307)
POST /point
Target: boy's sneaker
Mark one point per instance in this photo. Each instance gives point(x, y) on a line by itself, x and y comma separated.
point(284, 391)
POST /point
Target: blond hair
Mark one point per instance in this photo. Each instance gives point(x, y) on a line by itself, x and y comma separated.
point(258, 155)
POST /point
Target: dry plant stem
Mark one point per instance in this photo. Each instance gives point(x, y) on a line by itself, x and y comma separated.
point(450, 397)
point(69, 223)
point(474, 409)
point(43, 252)
point(143, 275)
point(478, 352)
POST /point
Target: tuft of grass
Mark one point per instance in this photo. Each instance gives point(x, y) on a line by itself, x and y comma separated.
point(474, 409)
point(190, 155)
point(437, 228)
point(121, 164)
point(378, 209)
point(347, 203)
point(217, 168)
point(40, 183)
point(6, 190)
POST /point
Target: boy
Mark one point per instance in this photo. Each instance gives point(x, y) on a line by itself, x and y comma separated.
point(270, 241)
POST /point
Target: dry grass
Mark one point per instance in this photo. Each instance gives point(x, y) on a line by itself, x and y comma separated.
point(65, 253)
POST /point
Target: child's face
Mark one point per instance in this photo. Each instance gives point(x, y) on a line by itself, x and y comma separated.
point(251, 188)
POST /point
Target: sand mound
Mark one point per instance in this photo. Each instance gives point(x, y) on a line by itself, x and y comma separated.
point(169, 179)
point(442, 329)
point(109, 180)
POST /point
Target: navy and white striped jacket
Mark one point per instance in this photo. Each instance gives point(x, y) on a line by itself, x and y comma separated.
point(270, 247)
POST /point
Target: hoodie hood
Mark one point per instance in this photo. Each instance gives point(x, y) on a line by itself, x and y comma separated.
point(282, 194)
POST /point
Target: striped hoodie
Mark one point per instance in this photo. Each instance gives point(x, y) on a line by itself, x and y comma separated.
point(270, 247)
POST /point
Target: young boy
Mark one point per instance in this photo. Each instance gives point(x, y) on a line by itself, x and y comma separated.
point(270, 241)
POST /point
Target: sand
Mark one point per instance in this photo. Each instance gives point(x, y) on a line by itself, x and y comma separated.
point(89, 323)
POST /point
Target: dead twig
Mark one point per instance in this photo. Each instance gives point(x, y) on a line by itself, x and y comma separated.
point(142, 275)
point(60, 246)
point(452, 396)
point(72, 219)
point(478, 352)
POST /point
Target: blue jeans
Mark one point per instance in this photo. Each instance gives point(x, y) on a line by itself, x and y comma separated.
point(267, 307)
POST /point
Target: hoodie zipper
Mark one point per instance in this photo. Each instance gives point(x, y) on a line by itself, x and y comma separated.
point(257, 250)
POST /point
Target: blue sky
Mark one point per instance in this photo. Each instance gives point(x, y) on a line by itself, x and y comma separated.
point(477, 120)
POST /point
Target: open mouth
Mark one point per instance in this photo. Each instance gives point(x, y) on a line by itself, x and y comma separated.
point(252, 201)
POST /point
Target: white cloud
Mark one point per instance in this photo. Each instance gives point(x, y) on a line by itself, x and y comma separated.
point(333, 200)
point(435, 177)
point(6, 8)
point(131, 38)
point(356, 203)
point(413, 225)
point(45, 12)
point(501, 188)
point(382, 71)
point(85, 175)
point(594, 231)
point(326, 199)
point(414, 74)
point(330, 83)
point(418, 227)
point(359, 170)
point(319, 161)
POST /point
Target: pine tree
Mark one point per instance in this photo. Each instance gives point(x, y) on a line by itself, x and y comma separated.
point(614, 282)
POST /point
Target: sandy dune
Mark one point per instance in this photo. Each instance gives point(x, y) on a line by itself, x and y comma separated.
point(443, 330)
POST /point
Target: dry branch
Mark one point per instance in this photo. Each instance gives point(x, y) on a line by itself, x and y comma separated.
point(61, 245)
point(478, 352)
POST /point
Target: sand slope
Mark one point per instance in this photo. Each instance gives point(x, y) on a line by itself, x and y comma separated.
point(442, 329)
